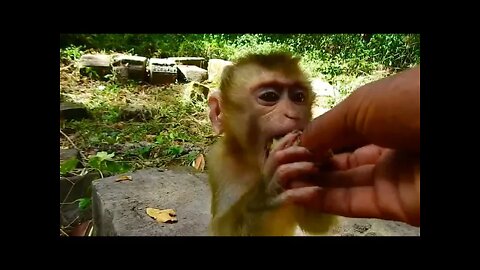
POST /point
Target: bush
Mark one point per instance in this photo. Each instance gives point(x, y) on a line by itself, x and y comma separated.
point(331, 54)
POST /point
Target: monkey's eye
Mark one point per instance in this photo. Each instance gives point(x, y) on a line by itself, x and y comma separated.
point(298, 96)
point(270, 96)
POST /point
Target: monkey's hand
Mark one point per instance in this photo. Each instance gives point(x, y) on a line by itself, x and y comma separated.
point(285, 162)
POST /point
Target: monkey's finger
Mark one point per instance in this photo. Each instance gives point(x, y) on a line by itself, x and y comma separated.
point(354, 202)
point(287, 155)
point(285, 141)
point(365, 155)
point(286, 173)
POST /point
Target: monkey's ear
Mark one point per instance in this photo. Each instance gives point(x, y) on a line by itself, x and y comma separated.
point(215, 114)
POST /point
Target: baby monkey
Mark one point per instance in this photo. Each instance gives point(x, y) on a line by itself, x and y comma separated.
point(264, 102)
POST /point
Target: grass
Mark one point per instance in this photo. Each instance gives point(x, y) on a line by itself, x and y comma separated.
point(168, 132)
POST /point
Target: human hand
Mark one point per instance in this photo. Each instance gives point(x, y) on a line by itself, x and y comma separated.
point(371, 182)
point(381, 178)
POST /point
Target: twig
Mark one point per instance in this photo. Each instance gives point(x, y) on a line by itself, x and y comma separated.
point(69, 191)
point(64, 203)
point(90, 230)
point(84, 172)
point(90, 233)
point(101, 174)
point(66, 178)
point(74, 146)
point(63, 232)
point(67, 67)
point(72, 222)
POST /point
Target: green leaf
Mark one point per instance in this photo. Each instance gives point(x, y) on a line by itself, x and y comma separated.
point(174, 150)
point(159, 139)
point(105, 156)
point(84, 203)
point(95, 162)
point(144, 150)
point(116, 167)
point(68, 165)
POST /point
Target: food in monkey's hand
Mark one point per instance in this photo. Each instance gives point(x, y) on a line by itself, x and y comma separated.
point(272, 145)
point(324, 161)
point(272, 189)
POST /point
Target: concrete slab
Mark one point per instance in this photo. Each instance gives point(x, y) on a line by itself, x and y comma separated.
point(119, 208)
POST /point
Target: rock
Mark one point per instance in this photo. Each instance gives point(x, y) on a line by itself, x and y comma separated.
point(121, 74)
point(194, 61)
point(323, 89)
point(66, 154)
point(71, 189)
point(94, 60)
point(191, 73)
point(162, 71)
point(378, 227)
point(95, 64)
point(215, 69)
point(119, 208)
point(135, 113)
point(135, 66)
point(195, 91)
point(361, 228)
point(73, 111)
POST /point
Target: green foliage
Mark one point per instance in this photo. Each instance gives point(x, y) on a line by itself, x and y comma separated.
point(144, 151)
point(104, 162)
point(111, 115)
point(71, 53)
point(395, 50)
point(68, 165)
point(190, 157)
point(84, 203)
point(256, 43)
point(330, 54)
point(91, 73)
point(174, 150)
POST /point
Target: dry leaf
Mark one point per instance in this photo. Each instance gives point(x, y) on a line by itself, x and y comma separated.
point(150, 138)
point(81, 229)
point(119, 125)
point(166, 215)
point(124, 178)
point(199, 163)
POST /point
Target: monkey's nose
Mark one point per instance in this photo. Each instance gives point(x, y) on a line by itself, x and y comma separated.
point(289, 123)
point(292, 115)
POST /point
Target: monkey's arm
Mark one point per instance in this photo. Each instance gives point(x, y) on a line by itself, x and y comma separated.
point(238, 211)
point(227, 190)
point(237, 197)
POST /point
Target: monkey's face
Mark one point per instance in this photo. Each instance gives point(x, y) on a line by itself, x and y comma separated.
point(276, 104)
point(282, 106)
